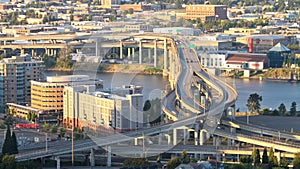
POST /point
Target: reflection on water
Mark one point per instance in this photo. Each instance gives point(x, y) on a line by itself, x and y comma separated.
point(152, 84)
point(273, 92)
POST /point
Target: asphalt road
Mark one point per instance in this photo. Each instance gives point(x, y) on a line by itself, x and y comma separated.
point(276, 122)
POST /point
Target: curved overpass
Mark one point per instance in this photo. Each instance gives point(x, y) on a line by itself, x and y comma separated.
point(227, 97)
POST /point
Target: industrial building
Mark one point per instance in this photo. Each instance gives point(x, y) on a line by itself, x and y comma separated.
point(15, 76)
point(103, 112)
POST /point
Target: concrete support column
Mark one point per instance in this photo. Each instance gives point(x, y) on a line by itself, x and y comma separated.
point(218, 157)
point(165, 55)
point(132, 58)
point(174, 137)
point(108, 156)
point(201, 156)
point(57, 162)
point(279, 157)
point(140, 52)
point(184, 136)
point(32, 52)
point(135, 141)
point(202, 137)
point(92, 157)
point(155, 54)
point(160, 138)
point(196, 133)
point(128, 53)
point(149, 55)
point(46, 51)
point(229, 142)
point(22, 51)
point(121, 50)
point(55, 52)
point(217, 141)
point(96, 48)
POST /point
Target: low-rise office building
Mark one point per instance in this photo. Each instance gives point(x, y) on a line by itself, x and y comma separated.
point(103, 112)
point(48, 95)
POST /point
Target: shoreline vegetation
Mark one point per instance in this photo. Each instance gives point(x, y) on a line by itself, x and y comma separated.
point(278, 74)
point(111, 68)
point(272, 74)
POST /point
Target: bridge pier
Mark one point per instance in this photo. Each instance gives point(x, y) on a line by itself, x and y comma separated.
point(140, 52)
point(149, 55)
point(202, 137)
point(128, 53)
point(218, 157)
point(132, 57)
point(160, 138)
point(216, 141)
point(184, 136)
point(57, 162)
point(174, 136)
point(108, 156)
point(165, 55)
point(92, 157)
point(155, 54)
point(196, 133)
point(121, 50)
point(135, 141)
point(22, 51)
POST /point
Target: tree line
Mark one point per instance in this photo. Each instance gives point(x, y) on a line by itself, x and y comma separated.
point(253, 105)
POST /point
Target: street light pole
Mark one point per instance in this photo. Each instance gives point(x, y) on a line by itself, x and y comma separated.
point(46, 142)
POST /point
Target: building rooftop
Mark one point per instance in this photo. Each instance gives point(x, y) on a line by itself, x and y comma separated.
point(270, 37)
point(279, 48)
point(67, 78)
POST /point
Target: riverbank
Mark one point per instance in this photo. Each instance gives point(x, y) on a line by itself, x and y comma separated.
point(112, 68)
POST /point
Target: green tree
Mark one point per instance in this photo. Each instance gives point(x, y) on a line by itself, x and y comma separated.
point(62, 132)
point(8, 162)
point(135, 162)
point(284, 162)
point(296, 161)
point(281, 109)
point(256, 156)
point(7, 145)
point(184, 157)
point(71, 17)
point(14, 144)
point(147, 105)
point(273, 162)
point(293, 109)
point(265, 159)
point(53, 129)
point(246, 159)
point(253, 102)
point(130, 11)
point(178, 4)
point(173, 163)
point(45, 127)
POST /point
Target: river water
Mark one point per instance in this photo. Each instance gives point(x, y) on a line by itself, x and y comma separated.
point(273, 92)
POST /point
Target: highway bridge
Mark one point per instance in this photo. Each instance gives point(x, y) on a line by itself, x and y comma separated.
point(184, 68)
